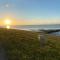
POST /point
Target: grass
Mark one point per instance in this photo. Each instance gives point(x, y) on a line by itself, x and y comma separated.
point(25, 45)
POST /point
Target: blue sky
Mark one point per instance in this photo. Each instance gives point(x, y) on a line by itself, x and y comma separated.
point(31, 9)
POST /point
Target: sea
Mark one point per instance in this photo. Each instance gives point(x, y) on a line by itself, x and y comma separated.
point(37, 27)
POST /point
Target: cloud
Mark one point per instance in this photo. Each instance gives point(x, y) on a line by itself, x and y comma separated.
point(7, 5)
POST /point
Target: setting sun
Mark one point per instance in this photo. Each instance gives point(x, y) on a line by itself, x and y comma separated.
point(7, 22)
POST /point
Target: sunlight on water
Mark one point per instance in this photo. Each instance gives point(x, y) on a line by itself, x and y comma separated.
point(8, 27)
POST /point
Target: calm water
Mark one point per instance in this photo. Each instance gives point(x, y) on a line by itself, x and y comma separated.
point(37, 27)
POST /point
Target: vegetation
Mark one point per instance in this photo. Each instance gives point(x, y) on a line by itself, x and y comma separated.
point(25, 45)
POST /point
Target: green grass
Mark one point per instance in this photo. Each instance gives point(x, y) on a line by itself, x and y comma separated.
point(25, 45)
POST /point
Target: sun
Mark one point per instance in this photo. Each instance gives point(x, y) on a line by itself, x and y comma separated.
point(7, 22)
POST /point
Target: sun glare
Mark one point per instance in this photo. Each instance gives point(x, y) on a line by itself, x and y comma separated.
point(8, 27)
point(8, 22)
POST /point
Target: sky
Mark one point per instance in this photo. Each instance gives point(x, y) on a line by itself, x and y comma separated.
point(30, 12)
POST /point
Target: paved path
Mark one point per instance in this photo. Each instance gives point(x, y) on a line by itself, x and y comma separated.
point(2, 53)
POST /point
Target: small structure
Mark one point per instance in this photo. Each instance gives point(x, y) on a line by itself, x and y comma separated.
point(41, 38)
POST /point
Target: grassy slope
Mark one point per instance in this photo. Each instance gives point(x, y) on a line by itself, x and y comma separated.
point(19, 44)
point(24, 45)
